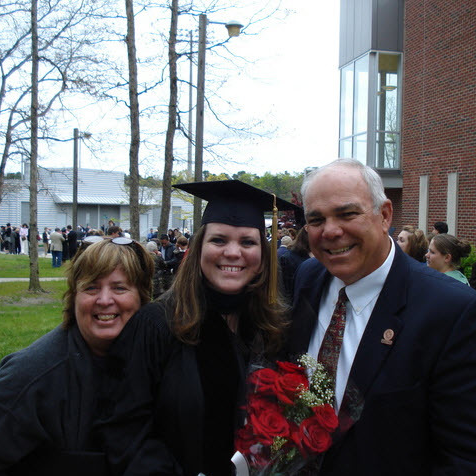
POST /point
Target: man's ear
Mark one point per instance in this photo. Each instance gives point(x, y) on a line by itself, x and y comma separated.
point(386, 211)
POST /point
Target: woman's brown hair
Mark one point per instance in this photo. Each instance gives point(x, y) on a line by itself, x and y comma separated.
point(449, 244)
point(418, 243)
point(101, 259)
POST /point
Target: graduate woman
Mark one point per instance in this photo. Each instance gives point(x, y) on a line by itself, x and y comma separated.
point(185, 357)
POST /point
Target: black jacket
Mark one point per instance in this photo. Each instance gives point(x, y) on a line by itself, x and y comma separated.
point(47, 404)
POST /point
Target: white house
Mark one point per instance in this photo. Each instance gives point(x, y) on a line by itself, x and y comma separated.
point(102, 196)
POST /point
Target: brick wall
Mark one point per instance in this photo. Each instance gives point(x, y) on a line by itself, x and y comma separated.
point(395, 195)
point(439, 108)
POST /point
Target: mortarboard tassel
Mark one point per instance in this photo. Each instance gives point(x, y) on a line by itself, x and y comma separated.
point(273, 277)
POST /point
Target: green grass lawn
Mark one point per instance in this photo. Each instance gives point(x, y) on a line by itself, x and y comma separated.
point(18, 266)
point(25, 316)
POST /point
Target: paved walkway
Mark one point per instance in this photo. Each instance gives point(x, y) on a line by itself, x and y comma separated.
point(12, 280)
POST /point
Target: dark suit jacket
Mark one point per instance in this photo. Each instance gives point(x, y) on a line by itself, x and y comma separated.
point(419, 393)
point(167, 252)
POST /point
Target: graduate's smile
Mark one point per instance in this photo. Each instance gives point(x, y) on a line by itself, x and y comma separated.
point(231, 256)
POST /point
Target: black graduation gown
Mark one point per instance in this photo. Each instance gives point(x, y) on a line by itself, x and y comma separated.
point(152, 373)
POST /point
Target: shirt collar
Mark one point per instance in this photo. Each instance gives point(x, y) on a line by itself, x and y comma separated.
point(364, 291)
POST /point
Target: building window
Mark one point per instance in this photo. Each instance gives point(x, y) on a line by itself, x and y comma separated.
point(369, 110)
point(387, 116)
point(353, 109)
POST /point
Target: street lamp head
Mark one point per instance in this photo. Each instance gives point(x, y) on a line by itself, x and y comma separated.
point(234, 28)
point(86, 135)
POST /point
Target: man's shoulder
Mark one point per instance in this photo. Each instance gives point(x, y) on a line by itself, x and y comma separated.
point(414, 282)
point(308, 271)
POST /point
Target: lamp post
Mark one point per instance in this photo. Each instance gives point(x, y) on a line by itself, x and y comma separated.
point(234, 29)
point(76, 137)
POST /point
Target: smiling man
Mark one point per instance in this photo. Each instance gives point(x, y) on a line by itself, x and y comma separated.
point(396, 338)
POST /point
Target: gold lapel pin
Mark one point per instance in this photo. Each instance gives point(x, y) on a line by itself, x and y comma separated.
point(387, 337)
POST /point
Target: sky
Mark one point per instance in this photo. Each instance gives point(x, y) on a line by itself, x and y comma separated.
point(289, 80)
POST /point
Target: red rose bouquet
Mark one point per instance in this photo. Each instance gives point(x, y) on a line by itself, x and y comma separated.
point(290, 418)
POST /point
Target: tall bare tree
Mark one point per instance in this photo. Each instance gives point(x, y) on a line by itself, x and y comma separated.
point(134, 121)
point(70, 61)
point(34, 274)
point(172, 120)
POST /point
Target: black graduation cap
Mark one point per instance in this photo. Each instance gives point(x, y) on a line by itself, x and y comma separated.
point(236, 203)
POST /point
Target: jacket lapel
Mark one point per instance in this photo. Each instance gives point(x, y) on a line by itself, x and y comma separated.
point(377, 342)
point(305, 314)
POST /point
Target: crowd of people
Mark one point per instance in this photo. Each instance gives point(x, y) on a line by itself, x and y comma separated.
point(139, 387)
point(14, 239)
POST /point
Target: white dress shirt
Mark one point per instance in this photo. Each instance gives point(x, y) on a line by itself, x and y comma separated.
point(362, 295)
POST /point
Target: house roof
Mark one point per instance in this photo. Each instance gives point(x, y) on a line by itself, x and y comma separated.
point(122, 199)
point(91, 200)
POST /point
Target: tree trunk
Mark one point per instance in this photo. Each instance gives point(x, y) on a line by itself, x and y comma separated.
point(171, 126)
point(34, 274)
point(135, 126)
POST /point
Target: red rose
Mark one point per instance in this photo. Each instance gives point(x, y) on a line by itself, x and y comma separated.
point(326, 416)
point(314, 438)
point(268, 424)
point(259, 404)
point(289, 367)
point(288, 387)
point(263, 381)
point(245, 438)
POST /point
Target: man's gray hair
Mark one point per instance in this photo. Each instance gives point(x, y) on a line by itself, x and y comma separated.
point(370, 177)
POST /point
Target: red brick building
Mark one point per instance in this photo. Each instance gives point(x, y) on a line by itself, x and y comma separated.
point(408, 105)
point(439, 114)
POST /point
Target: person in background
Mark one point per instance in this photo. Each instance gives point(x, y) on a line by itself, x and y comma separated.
point(177, 234)
point(290, 261)
point(150, 235)
point(72, 241)
point(114, 231)
point(440, 227)
point(292, 232)
point(46, 240)
point(286, 242)
point(56, 247)
point(106, 229)
point(159, 269)
point(413, 242)
point(7, 239)
point(24, 237)
point(196, 343)
point(16, 239)
point(404, 363)
point(166, 247)
point(445, 253)
point(171, 236)
point(65, 255)
point(181, 247)
point(49, 392)
point(95, 232)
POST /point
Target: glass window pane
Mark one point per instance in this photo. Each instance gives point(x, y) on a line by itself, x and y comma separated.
point(361, 97)
point(387, 95)
point(360, 148)
point(387, 150)
point(346, 100)
point(345, 148)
